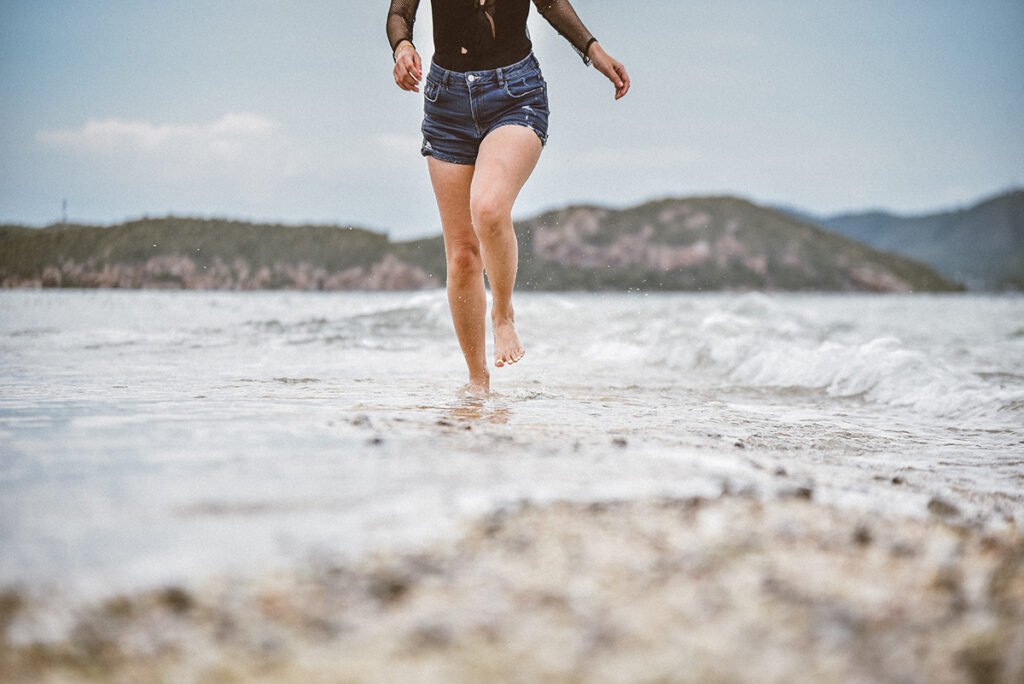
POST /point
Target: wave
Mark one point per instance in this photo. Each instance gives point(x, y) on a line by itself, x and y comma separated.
point(775, 349)
point(375, 325)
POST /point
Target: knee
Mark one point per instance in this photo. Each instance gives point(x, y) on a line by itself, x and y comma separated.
point(490, 213)
point(464, 262)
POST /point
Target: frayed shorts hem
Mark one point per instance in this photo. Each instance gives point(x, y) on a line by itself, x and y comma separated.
point(429, 151)
point(451, 159)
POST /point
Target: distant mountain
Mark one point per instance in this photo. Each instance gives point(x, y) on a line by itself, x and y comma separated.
point(205, 254)
point(700, 243)
point(982, 246)
point(704, 243)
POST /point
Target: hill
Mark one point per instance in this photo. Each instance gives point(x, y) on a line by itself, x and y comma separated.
point(701, 243)
point(704, 243)
point(205, 254)
point(982, 245)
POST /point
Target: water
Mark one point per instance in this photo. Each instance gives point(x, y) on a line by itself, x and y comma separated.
point(151, 437)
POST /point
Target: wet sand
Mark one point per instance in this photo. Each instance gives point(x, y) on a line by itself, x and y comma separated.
point(731, 589)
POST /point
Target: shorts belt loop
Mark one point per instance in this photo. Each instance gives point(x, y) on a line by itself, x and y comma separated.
point(501, 77)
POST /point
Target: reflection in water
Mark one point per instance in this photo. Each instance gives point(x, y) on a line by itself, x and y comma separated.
point(470, 409)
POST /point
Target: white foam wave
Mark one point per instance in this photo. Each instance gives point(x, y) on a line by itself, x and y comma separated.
point(881, 370)
point(778, 351)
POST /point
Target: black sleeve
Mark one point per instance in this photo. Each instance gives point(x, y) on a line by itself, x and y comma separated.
point(561, 15)
point(401, 17)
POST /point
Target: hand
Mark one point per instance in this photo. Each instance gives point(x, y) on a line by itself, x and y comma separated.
point(611, 68)
point(408, 70)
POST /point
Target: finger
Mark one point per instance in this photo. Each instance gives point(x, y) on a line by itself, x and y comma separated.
point(404, 79)
point(620, 72)
point(623, 86)
point(411, 65)
point(614, 76)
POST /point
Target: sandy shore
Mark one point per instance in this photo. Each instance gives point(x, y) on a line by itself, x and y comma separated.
point(733, 589)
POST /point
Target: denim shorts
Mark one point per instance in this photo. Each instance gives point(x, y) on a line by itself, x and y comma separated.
point(461, 108)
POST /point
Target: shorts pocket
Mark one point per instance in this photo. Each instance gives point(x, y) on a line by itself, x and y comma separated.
point(524, 85)
point(431, 90)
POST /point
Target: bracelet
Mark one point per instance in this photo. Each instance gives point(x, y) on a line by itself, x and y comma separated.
point(401, 47)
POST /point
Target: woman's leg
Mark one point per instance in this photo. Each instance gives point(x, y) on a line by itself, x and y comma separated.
point(506, 159)
point(466, 296)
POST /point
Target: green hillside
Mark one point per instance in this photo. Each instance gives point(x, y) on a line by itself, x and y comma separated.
point(26, 251)
point(701, 243)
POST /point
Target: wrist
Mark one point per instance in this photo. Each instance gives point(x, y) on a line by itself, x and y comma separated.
point(402, 47)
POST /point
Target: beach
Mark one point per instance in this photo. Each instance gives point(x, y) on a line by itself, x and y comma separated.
point(722, 590)
point(727, 487)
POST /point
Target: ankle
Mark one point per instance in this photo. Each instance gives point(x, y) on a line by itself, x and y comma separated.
point(502, 315)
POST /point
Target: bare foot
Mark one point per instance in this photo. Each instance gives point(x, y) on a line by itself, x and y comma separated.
point(507, 347)
point(479, 385)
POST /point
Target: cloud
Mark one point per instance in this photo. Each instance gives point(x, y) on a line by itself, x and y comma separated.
point(225, 138)
point(240, 156)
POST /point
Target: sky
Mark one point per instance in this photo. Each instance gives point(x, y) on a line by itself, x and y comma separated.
point(286, 110)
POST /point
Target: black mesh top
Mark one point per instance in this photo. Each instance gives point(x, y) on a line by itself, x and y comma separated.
point(471, 35)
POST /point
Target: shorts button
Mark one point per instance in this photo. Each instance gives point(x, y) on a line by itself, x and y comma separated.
point(471, 78)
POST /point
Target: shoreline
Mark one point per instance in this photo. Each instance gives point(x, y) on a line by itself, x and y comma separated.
point(733, 588)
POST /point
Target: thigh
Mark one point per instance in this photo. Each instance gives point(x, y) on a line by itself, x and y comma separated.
point(451, 184)
point(507, 157)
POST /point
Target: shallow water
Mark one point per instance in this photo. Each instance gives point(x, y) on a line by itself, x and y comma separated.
point(150, 437)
